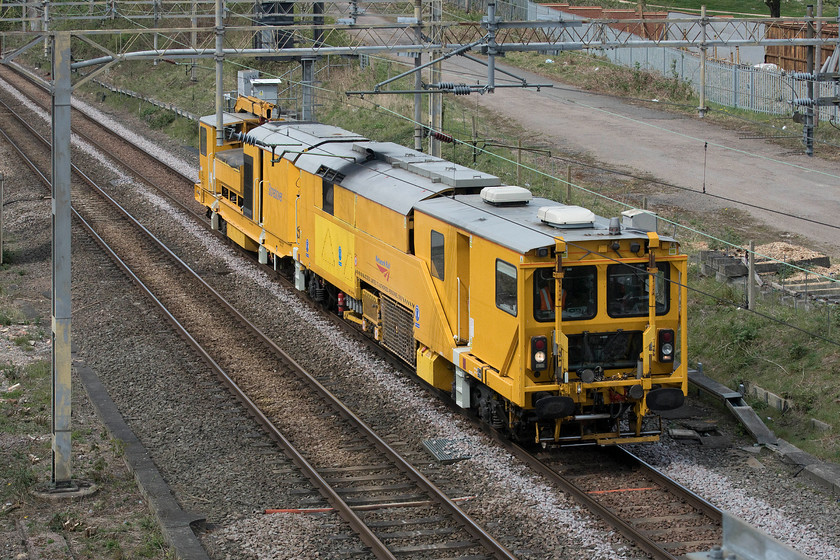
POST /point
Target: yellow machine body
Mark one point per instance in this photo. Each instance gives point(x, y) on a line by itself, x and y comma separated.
point(416, 251)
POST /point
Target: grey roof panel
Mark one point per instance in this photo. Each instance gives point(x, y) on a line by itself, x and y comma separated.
point(378, 171)
point(403, 179)
point(514, 227)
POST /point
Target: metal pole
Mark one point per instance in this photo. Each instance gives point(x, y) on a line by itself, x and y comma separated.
point(193, 40)
point(751, 278)
point(808, 129)
point(220, 60)
point(1, 217)
point(568, 183)
point(435, 99)
point(307, 104)
point(317, 23)
point(818, 54)
point(418, 79)
point(46, 26)
point(62, 89)
point(156, 10)
point(491, 46)
point(703, 22)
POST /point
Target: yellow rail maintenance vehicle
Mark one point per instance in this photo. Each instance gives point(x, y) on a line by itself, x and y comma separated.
point(549, 322)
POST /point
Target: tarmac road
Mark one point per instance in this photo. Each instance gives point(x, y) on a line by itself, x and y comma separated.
point(670, 147)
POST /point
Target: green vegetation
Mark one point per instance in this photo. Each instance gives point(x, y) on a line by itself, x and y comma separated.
point(738, 346)
point(31, 416)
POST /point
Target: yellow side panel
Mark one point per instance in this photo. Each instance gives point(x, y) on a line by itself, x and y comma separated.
point(241, 239)
point(335, 251)
point(382, 223)
point(344, 205)
point(496, 333)
point(433, 369)
point(279, 201)
point(446, 288)
point(230, 176)
point(405, 278)
point(306, 207)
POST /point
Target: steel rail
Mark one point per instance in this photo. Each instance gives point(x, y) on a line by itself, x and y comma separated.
point(708, 509)
point(21, 75)
point(347, 513)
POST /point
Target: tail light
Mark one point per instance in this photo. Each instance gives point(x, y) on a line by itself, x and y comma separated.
point(539, 353)
point(665, 345)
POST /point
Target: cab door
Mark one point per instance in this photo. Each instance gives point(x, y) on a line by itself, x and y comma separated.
point(462, 271)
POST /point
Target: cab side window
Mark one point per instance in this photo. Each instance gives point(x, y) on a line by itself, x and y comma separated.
point(202, 140)
point(437, 255)
point(506, 287)
point(327, 200)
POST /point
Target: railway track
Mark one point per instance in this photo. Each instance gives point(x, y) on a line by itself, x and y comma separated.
point(663, 518)
point(176, 185)
point(612, 506)
point(392, 506)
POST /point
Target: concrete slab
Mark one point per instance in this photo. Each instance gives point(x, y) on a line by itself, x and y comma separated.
point(754, 449)
point(702, 425)
point(824, 475)
point(820, 425)
point(679, 433)
point(750, 420)
point(711, 386)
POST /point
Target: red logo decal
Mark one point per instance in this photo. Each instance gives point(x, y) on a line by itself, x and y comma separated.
point(385, 271)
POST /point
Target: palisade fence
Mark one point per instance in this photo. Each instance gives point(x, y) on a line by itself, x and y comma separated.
point(732, 85)
point(738, 86)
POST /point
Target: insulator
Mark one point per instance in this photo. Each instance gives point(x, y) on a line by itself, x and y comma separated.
point(462, 89)
point(802, 76)
point(804, 102)
point(246, 139)
point(446, 85)
point(442, 137)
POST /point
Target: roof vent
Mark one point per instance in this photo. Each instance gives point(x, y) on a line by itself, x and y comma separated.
point(566, 216)
point(506, 196)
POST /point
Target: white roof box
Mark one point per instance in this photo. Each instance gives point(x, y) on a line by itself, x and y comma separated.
point(639, 219)
point(566, 216)
point(505, 196)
